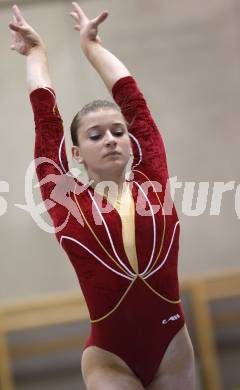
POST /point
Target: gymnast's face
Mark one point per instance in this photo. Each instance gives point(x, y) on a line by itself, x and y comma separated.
point(104, 144)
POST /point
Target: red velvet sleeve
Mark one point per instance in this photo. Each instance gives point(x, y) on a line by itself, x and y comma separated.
point(49, 144)
point(148, 147)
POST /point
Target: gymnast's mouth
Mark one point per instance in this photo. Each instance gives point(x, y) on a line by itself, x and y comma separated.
point(114, 153)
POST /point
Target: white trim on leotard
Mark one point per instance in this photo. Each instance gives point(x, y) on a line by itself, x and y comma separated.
point(154, 230)
point(49, 90)
point(109, 236)
point(139, 150)
point(60, 154)
point(96, 257)
point(165, 259)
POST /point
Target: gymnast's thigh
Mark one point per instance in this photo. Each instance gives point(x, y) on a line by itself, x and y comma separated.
point(176, 369)
point(103, 370)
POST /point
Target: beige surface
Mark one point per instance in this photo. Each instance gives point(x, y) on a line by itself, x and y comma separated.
point(185, 56)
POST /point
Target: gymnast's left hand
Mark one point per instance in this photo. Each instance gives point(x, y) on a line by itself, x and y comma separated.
point(88, 28)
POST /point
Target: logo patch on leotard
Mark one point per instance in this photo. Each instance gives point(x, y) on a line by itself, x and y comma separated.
point(174, 317)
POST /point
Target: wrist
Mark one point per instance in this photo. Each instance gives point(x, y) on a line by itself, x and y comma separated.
point(89, 47)
point(37, 50)
point(94, 52)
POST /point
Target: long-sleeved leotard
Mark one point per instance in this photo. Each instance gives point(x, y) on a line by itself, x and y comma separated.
point(133, 315)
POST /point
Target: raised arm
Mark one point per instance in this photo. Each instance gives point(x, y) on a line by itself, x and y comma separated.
point(106, 64)
point(26, 41)
point(49, 129)
point(148, 146)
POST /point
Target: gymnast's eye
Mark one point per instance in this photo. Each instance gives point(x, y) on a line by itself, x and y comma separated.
point(94, 136)
point(118, 131)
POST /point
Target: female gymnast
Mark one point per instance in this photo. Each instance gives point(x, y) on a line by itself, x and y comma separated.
point(126, 258)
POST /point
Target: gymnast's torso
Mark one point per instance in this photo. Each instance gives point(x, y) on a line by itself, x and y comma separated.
point(134, 305)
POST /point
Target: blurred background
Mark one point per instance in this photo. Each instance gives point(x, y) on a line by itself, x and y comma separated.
point(185, 56)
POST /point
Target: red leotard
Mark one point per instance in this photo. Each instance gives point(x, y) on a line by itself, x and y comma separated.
point(134, 316)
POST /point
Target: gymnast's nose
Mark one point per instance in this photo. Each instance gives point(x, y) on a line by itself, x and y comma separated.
point(110, 139)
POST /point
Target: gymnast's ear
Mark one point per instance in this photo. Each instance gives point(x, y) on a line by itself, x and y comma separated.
point(76, 154)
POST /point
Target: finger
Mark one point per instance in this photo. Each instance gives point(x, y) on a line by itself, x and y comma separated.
point(77, 27)
point(79, 10)
point(98, 39)
point(100, 18)
point(16, 28)
point(13, 22)
point(18, 14)
point(13, 36)
point(75, 16)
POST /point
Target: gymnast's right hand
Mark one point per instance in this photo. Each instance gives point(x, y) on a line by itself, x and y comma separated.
point(24, 38)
